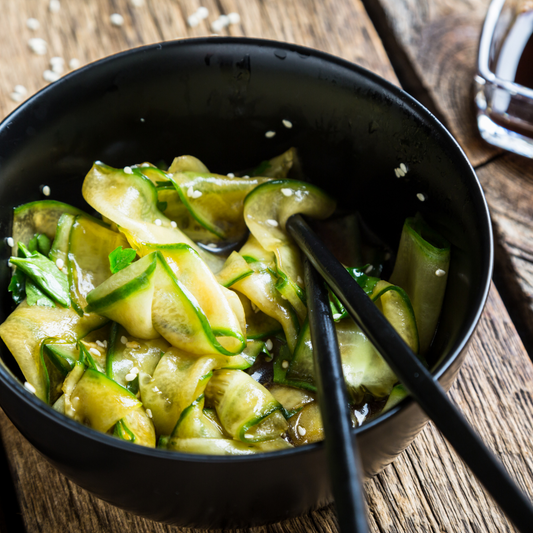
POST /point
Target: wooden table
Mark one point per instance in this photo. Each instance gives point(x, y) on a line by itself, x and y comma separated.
point(428, 47)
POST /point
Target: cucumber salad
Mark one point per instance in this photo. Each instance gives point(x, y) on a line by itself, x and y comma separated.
point(175, 316)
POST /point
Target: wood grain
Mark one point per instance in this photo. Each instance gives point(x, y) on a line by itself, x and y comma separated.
point(427, 489)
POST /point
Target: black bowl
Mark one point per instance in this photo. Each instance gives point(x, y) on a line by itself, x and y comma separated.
point(215, 98)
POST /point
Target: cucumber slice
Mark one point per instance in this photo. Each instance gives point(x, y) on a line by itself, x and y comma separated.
point(198, 287)
point(136, 427)
point(27, 327)
point(185, 163)
point(266, 210)
point(291, 398)
point(306, 427)
point(178, 379)
point(88, 257)
point(126, 297)
point(129, 355)
point(260, 289)
point(100, 402)
point(363, 367)
point(222, 446)
point(235, 268)
point(60, 244)
point(39, 217)
point(62, 355)
point(278, 167)
point(193, 423)
point(258, 324)
point(398, 393)
point(396, 306)
point(253, 252)
point(215, 201)
point(130, 201)
point(246, 410)
point(421, 269)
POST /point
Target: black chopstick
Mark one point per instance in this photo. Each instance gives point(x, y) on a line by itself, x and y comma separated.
point(341, 449)
point(426, 391)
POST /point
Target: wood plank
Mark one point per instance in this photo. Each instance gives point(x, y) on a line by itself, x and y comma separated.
point(440, 37)
point(427, 488)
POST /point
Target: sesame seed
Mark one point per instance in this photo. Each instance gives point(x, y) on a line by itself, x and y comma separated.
point(270, 134)
point(299, 280)
point(21, 90)
point(137, 3)
point(269, 345)
point(234, 18)
point(16, 97)
point(248, 435)
point(116, 19)
point(149, 413)
point(301, 430)
point(38, 46)
point(439, 272)
point(212, 245)
point(421, 197)
point(130, 377)
point(60, 263)
point(224, 20)
point(32, 24)
point(197, 194)
point(246, 176)
point(134, 370)
point(255, 309)
point(29, 387)
point(105, 344)
point(403, 168)
point(128, 170)
point(95, 351)
point(50, 76)
point(56, 60)
point(287, 123)
point(396, 172)
point(369, 269)
point(401, 173)
point(216, 26)
point(272, 222)
point(101, 344)
point(285, 364)
point(173, 224)
point(202, 12)
point(54, 6)
point(193, 20)
point(123, 339)
point(74, 63)
point(336, 316)
point(46, 190)
point(190, 191)
point(57, 68)
point(286, 191)
point(158, 222)
point(9, 263)
point(10, 242)
point(231, 175)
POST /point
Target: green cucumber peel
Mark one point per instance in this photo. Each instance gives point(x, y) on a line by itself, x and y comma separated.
point(275, 406)
point(17, 286)
point(123, 432)
point(45, 274)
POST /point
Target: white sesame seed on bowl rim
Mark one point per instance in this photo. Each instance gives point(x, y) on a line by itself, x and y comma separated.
point(10, 242)
point(421, 197)
point(270, 134)
point(439, 272)
point(128, 170)
point(116, 19)
point(287, 123)
point(46, 190)
point(30, 387)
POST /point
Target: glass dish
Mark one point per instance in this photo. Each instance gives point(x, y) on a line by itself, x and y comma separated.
point(504, 79)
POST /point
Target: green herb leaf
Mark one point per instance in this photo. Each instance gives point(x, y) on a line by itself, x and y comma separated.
point(35, 296)
point(119, 258)
point(17, 286)
point(44, 274)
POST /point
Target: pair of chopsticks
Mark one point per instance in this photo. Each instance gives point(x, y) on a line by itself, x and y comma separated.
point(340, 447)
